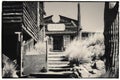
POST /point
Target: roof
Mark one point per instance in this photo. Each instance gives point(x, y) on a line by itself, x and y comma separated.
point(70, 24)
point(63, 19)
point(48, 19)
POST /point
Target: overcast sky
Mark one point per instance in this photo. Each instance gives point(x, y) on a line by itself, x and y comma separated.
point(92, 13)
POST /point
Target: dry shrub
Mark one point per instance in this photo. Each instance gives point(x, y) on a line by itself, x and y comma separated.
point(83, 51)
point(39, 48)
point(9, 69)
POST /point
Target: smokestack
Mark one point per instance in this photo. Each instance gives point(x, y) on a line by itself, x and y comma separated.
point(79, 22)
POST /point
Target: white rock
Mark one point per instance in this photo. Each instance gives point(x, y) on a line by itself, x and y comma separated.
point(97, 73)
point(84, 72)
point(88, 66)
point(100, 64)
point(14, 74)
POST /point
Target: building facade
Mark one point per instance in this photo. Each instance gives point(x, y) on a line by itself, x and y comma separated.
point(60, 33)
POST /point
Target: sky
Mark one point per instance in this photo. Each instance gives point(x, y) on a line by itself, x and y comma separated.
point(92, 13)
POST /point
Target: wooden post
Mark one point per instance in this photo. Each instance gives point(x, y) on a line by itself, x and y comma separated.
point(46, 40)
point(19, 52)
point(38, 19)
point(47, 54)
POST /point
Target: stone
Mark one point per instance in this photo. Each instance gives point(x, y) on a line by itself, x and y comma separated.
point(99, 70)
point(100, 64)
point(86, 70)
point(97, 73)
point(88, 66)
point(83, 71)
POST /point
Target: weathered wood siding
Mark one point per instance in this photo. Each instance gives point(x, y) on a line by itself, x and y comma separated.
point(30, 19)
point(33, 24)
point(33, 21)
point(111, 35)
point(11, 23)
point(12, 12)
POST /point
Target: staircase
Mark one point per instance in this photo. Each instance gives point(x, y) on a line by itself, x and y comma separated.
point(58, 63)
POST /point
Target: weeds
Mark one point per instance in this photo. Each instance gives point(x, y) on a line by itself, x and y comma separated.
point(9, 68)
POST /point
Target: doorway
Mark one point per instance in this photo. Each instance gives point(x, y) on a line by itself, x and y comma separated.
point(57, 43)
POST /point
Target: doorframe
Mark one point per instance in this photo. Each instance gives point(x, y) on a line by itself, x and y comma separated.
point(62, 44)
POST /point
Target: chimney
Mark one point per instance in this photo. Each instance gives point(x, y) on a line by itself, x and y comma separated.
point(79, 22)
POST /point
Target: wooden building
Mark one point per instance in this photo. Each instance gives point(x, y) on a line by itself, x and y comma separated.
point(21, 22)
point(60, 33)
point(111, 34)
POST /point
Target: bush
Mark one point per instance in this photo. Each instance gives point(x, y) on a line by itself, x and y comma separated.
point(9, 69)
point(84, 51)
point(39, 48)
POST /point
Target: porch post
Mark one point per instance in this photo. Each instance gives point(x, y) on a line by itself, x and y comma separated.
point(46, 40)
point(19, 52)
point(47, 54)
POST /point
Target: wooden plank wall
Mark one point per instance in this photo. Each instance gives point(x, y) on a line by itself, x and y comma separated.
point(115, 44)
point(33, 19)
point(30, 19)
point(11, 12)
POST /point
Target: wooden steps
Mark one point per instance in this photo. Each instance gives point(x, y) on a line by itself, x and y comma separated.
point(58, 63)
